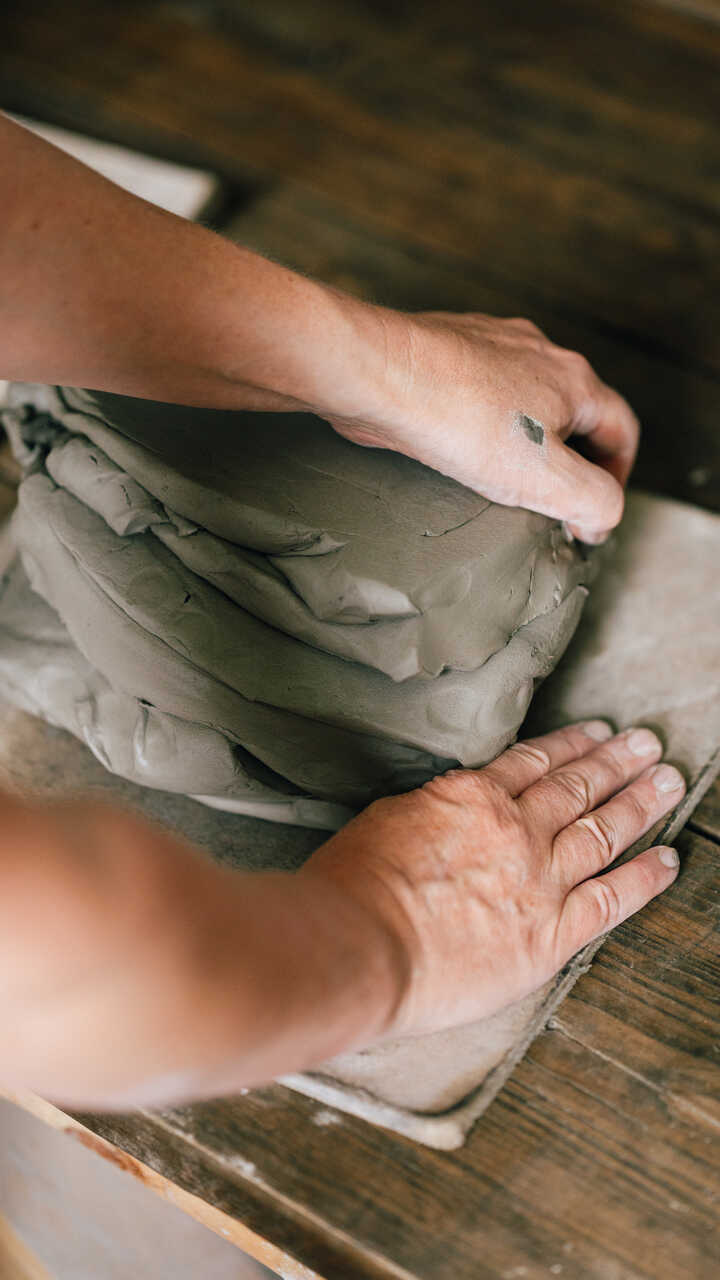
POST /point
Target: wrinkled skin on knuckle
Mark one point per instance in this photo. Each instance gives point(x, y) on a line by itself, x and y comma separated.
point(600, 836)
point(614, 770)
point(574, 784)
point(639, 807)
point(604, 909)
point(526, 751)
point(458, 786)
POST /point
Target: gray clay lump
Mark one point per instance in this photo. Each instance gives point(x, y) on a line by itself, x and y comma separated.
point(248, 607)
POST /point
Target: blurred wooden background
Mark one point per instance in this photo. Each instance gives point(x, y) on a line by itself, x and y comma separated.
point(558, 161)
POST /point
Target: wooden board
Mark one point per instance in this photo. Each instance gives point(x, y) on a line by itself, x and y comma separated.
point(597, 1157)
point(600, 1156)
point(516, 132)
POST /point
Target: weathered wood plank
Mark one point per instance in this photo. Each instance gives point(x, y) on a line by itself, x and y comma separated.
point(706, 818)
point(558, 161)
point(601, 1155)
point(562, 177)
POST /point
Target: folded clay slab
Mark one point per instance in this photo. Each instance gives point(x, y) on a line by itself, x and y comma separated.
point(646, 652)
point(348, 619)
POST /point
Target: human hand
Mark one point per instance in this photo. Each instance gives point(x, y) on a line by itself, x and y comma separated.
point(488, 879)
point(490, 402)
point(134, 971)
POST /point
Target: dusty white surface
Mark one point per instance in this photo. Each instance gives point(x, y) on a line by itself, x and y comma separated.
point(182, 190)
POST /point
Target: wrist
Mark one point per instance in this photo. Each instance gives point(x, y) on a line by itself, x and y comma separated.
point(369, 379)
point(361, 935)
point(303, 345)
point(338, 352)
point(286, 971)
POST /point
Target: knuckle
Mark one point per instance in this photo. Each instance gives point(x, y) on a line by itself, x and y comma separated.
point(458, 785)
point(528, 327)
point(614, 769)
point(603, 835)
point(530, 753)
point(637, 810)
point(578, 362)
point(474, 798)
point(606, 903)
point(576, 786)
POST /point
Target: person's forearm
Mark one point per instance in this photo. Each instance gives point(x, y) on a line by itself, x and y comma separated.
point(296, 972)
point(163, 976)
point(98, 288)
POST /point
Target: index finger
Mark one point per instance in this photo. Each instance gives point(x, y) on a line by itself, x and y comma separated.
point(526, 762)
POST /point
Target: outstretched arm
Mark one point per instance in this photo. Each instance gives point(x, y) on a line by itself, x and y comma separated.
point(101, 289)
point(136, 972)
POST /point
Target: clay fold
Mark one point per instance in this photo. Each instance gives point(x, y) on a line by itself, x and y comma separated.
point(250, 583)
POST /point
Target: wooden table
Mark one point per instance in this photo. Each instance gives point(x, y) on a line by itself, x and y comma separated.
point(558, 161)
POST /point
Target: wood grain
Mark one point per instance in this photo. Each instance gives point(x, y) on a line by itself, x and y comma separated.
point(561, 166)
point(570, 145)
point(706, 818)
point(558, 161)
point(601, 1154)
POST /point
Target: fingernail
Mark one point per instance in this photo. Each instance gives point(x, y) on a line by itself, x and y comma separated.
point(642, 742)
point(592, 537)
point(666, 778)
point(597, 729)
point(669, 857)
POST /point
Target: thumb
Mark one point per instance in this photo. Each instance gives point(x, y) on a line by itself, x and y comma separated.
point(563, 484)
